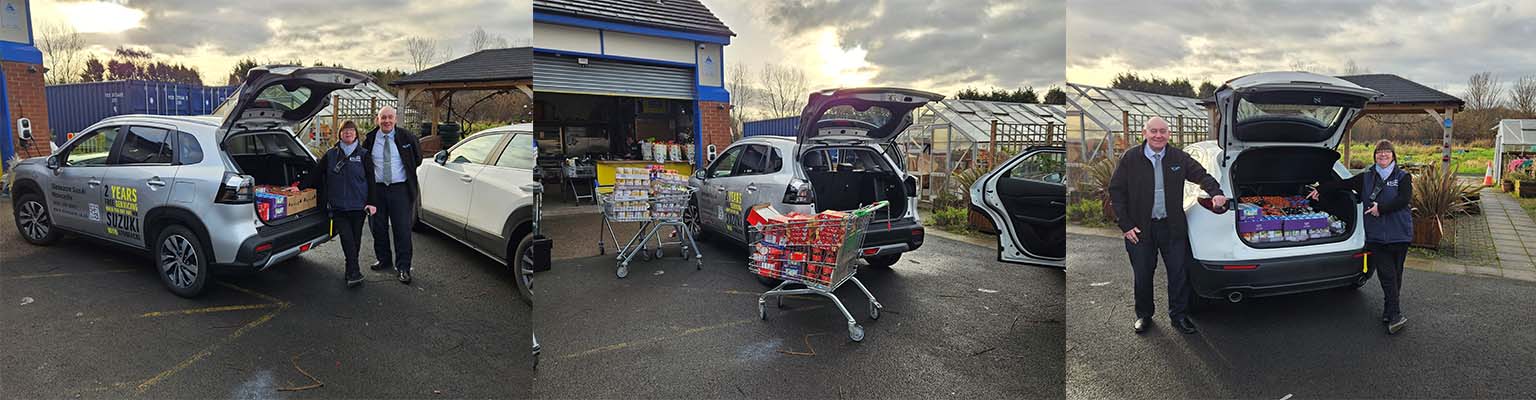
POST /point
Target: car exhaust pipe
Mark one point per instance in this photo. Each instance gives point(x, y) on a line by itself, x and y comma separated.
point(1235, 296)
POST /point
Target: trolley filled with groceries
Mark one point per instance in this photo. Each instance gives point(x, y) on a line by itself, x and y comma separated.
point(656, 198)
point(817, 251)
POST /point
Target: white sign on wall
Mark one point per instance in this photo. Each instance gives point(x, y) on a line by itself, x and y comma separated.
point(709, 65)
point(15, 22)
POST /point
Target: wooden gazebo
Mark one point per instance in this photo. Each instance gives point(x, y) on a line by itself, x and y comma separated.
point(491, 69)
point(1401, 96)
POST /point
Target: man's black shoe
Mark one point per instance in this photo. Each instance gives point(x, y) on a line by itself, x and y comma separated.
point(405, 277)
point(378, 266)
point(1397, 325)
point(355, 281)
point(1184, 325)
point(1141, 325)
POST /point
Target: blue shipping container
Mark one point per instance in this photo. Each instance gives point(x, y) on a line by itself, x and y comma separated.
point(73, 107)
point(774, 127)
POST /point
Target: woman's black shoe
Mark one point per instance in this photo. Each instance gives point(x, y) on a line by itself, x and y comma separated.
point(378, 266)
point(405, 277)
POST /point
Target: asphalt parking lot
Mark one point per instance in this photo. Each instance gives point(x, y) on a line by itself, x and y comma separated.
point(85, 319)
point(1327, 344)
point(956, 323)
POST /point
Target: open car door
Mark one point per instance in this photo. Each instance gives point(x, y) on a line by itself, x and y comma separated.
point(1025, 201)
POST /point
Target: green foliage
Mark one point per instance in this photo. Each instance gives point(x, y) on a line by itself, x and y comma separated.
point(1206, 90)
point(953, 219)
point(1023, 95)
point(1437, 194)
point(1465, 160)
point(1153, 84)
point(1087, 212)
point(1055, 96)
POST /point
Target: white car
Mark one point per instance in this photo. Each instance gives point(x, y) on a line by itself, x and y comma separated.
point(1024, 203)
point(1276, 134)
point(481, 193)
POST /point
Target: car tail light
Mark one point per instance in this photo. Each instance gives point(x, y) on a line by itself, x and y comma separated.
point(1239, 267)
point(236, 189)
point(871, 251)
point(799, 192)
point(263, 247)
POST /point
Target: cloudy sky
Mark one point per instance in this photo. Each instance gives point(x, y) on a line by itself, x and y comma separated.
point(941, 46)
point(1439, 43)
point(213, 35)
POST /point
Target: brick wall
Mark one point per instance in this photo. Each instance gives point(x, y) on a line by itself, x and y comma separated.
point(27, 99)
point(716, 120)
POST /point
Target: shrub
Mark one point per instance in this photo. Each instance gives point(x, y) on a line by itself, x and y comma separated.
point(1438, 194)
point(1087, 212)
point(951, 218)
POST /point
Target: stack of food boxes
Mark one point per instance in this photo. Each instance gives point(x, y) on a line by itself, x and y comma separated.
point(631, 194)
point(797, 246)
point(670, 189)
point(276, 202)
point(1269, 219)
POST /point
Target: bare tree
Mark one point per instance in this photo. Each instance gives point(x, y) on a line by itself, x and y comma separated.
point(480, 40)
point(1300, 65)
point(1522, 96)
point(1353, 68)
point(422, 51)
point(737, 82)
point(1483, 91)
point(784, 90)
point(62, 49)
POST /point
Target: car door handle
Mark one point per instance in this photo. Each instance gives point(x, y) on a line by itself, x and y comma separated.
point(751, 188)
point(720, 189)
point(155, 182)
point(93, 182)
point(466, 178)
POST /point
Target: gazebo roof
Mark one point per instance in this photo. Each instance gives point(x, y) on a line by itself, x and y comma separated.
point(1398, 90)
point(488, 65)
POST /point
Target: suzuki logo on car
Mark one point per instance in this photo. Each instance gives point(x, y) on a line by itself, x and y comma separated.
point(1317, 100)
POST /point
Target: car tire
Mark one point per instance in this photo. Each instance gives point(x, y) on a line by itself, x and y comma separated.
point(33, 220)
point(691, 218)
point(883, 262)
point(522, 268)
point(181, 260)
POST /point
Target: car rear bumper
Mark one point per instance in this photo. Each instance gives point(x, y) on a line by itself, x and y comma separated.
point(1272, 277)
point(892, 237)
point(286, 241)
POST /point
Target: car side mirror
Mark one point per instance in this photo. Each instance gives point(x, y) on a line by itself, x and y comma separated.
point(441, 158)
point(698, 174)
point(53, 162)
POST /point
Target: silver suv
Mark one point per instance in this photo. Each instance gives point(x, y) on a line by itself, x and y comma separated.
point(842, 158)
point(182, 188)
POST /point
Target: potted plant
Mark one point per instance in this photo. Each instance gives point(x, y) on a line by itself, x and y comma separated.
point(1437, 196)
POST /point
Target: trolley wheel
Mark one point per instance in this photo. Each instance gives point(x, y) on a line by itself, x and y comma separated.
point(686, 254)
point(658, 253)
point(762, 310)
point(623, 271)
point(874, 311)
point(856, 332)
point(600, 250)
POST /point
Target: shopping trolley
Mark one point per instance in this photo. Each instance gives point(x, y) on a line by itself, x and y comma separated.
point(577, 175)
point(819, 252)
point(658, 203)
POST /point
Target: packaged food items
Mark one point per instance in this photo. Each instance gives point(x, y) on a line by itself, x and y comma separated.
point(271, 206)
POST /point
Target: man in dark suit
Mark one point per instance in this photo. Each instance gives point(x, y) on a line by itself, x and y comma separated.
point(392, 195)
point(1147, 193)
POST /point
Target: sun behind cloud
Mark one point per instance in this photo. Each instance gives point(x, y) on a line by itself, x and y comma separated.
point(101, 17)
